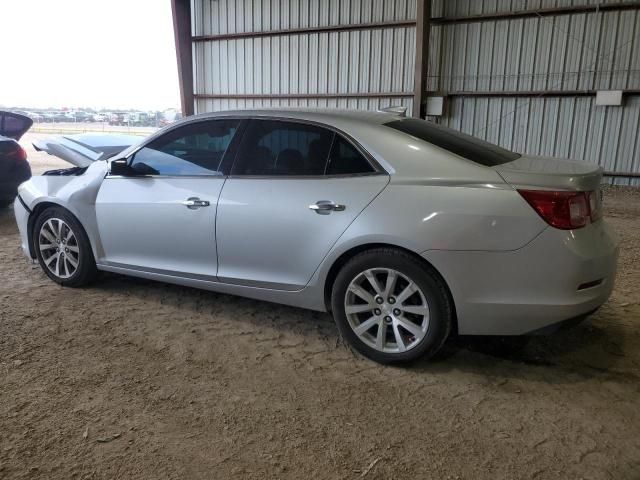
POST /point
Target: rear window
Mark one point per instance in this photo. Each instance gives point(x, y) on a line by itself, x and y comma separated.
point(466, 146)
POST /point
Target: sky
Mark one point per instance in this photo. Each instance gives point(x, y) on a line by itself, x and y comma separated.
point(113, 54)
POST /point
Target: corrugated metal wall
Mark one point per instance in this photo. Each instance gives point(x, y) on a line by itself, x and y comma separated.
point(581, 51)
point(350, 69)
point(344, 64)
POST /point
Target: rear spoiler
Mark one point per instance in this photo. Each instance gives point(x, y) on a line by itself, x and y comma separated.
point(395, 109)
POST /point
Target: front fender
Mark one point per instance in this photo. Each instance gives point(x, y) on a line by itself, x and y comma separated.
point(74, 193)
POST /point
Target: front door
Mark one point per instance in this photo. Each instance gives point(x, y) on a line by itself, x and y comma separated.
point(163, 220)
point(294, 189)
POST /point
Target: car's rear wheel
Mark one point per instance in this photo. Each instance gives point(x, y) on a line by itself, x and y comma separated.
point(63, 248)
point(391, 307)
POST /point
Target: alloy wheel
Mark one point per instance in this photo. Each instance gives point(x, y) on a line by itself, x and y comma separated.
point(386, 310)
point(59, 248)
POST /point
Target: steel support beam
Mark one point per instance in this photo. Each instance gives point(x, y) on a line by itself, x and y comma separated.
point(528, 93)
point(288, 96)
point(423, 19)
point(540, 12)
point(621, 174)
point(305, 30)
point(181, 10)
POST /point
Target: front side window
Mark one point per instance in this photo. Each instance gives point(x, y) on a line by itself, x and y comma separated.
point(279, 148)
point(195, 149)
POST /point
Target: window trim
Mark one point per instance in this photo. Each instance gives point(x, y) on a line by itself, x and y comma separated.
point(377, 168)
point(232, 151)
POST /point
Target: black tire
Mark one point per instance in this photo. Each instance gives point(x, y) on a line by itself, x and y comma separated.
point(428, 281)
point(86, 270)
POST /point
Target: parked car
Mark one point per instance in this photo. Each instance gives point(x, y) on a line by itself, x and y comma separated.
point(98, 117)
point(118, 118)
point(14, 168)
point(35, 116)
point(60, 117)
point(405, 230)
point(77, 116)
point(48, 117)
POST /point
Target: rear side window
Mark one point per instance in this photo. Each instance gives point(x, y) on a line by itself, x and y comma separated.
point(195, 149)
point(346, 160)
point(466, 146)
point(279, 148)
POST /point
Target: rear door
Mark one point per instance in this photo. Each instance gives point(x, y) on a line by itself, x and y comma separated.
point(14, 125)
point(293, 190)
point(163, 220)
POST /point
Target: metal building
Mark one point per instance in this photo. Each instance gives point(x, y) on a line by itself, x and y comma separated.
point(521, 73)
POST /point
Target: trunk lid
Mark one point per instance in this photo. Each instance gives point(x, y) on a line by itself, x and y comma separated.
point(84, 149)
point(14, 125)
point(529, 172)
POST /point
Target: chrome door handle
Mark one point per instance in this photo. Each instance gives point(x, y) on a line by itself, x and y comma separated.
point(193, 203)
point(325, 207)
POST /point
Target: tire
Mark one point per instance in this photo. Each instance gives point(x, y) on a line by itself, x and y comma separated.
point(422, 315)
point(57, 227)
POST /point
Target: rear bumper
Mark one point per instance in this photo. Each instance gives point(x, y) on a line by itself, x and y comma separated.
point(560, 275)
point(12, 179)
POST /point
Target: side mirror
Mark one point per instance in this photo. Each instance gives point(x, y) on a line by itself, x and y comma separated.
point(120, 167)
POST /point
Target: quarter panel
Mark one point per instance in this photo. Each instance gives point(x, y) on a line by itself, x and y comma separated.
point(427, 217)
point(516, 292)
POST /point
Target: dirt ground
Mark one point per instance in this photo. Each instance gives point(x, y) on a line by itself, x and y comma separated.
point(135, 379)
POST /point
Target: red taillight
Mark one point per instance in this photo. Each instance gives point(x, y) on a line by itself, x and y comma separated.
point(18, 153)
point(563, 210)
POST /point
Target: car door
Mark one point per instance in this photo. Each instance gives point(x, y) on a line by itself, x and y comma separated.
point(294, 189)
point(162, 218)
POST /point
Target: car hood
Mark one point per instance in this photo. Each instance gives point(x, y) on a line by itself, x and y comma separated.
point(84, 149)
point(551, 173)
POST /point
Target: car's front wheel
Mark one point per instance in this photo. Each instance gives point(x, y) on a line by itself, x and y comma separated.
point(63, 248)
point(391, 307)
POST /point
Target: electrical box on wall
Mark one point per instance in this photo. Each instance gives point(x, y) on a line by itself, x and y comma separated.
point(609, 98)
point(435, 106)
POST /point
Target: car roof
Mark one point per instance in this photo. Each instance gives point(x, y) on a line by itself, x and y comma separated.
point(320, 115)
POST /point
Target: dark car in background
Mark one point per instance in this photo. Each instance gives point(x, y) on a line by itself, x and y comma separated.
point(14, 168)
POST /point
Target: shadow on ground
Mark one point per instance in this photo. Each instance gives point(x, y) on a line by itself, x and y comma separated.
point(586, 350)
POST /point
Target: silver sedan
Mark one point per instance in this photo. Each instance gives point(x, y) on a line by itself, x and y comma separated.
point(405, 230)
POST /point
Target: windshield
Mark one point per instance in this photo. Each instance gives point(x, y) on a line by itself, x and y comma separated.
point(466, 146)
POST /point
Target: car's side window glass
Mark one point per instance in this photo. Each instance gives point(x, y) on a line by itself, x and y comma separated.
point(280, 148)
point(345, 159)
point(195, 149)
